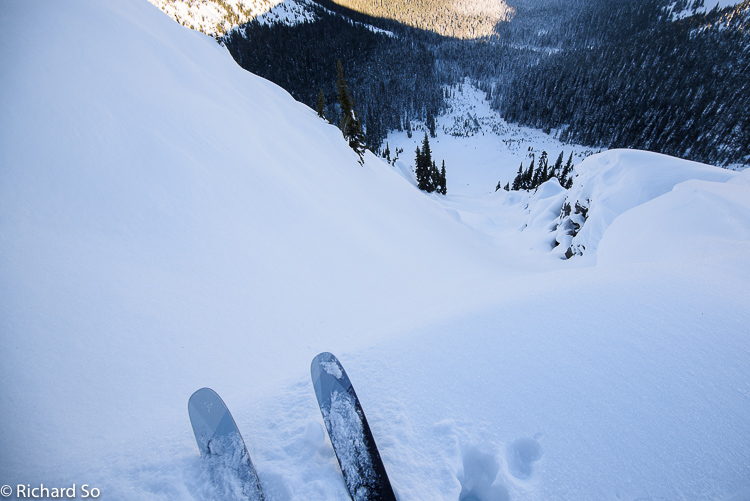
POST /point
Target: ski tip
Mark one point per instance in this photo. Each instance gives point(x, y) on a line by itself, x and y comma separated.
point(327, 362)
point(203, 392)
point(324, 356)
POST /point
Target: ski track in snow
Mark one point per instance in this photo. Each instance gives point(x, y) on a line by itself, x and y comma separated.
point(158, 234)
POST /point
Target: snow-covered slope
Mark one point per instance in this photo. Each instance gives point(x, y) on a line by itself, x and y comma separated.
point(169, 221)
point(167, 217)
point(479, 147)
point(611, 183)
point(699, 7)
point(214, 16)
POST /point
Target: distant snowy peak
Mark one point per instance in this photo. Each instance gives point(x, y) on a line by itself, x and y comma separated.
point(214, 17)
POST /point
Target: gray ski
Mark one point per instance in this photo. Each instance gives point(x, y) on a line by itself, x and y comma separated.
point(352, 440)
point(221, 444)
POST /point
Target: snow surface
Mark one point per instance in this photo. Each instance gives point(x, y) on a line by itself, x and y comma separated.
point(708, 6)
point(609, 184)
point(212, 16)
point(169, 222)
point(293, 12)
point(480, 148)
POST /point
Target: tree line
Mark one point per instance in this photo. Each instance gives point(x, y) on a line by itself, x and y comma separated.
point(612, 73)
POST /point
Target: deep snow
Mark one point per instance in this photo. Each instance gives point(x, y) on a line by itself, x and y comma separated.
point(169, 222)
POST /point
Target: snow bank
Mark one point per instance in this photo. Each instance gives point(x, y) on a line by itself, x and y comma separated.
point(613, 182)
point(697, 220)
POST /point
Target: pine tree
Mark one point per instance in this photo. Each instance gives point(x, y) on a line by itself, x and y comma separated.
point(543, 172)
point(346, 111)
point(424, 166)
point(528, 176)
point(349, 124)
point(535, 180)
point(557, 169)
point(387, 153)
point(419, 170)
point(434, 182)
point(431, 124)
point(443, 184)
point(518, 180)
point(566, 181)
point(321, 105)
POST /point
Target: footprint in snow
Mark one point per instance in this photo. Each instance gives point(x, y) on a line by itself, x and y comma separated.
point(521, 456)
point(478, 478)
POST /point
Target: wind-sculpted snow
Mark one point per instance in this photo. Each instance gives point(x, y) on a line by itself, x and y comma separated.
point(611, 183)
point(697, 220)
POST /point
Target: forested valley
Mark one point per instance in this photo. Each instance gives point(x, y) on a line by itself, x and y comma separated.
point(605, 74)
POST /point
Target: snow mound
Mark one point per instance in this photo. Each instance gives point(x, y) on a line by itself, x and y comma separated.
point(613, 182)
point(697, 219)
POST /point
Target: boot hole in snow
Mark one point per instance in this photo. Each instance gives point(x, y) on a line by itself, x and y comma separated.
point(521, 456)
point(478, 477)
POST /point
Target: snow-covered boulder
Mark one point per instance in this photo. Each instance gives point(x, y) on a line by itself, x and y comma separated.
point(544, 210)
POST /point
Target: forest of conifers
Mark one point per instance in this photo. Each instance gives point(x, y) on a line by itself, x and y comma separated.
point(611, 73)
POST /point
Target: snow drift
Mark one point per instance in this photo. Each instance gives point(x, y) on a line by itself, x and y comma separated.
point(610, 183)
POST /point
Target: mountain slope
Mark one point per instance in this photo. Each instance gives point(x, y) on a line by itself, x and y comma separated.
point(198, 213)
point(214, 17)
point(169, 221)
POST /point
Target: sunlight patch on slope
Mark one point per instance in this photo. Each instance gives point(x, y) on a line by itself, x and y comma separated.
point(465, 19)
point(214, 16)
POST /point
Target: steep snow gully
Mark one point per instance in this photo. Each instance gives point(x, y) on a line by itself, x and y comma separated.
point(170, 222)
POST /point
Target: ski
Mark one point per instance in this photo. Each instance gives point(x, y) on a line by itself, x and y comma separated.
point(221, 444)
point(364, 473)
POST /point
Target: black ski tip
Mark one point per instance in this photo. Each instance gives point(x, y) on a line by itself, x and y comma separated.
point(324, 356)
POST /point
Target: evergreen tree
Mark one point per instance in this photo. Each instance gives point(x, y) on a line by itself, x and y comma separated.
point(431, 124)
point(518, 180)
point(321, 107)
point(346, 111)
point(419, 170)
point(557, 169)
point(543, 169)
point(387, 153)
point(424, 166)
point(443, 184)
point(349, 124)
point(528, 176)
point(566, 181)
point(535, 180)
point(434, 182)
